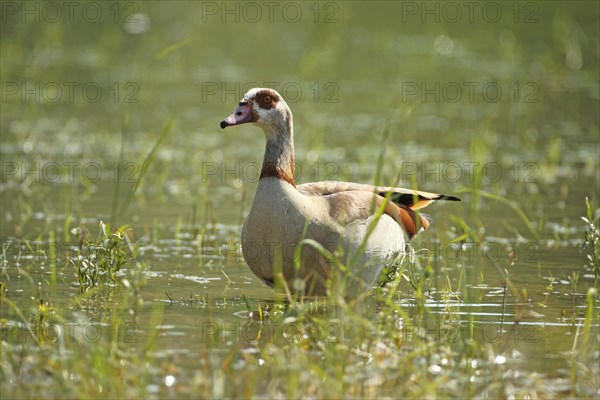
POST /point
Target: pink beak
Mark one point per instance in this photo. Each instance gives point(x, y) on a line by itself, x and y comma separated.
point(241, 115)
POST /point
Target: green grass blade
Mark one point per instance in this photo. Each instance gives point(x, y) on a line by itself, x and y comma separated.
point(513, 205)
point(146, 163)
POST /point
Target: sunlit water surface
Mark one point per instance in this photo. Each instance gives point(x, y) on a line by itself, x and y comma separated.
point(349, 82)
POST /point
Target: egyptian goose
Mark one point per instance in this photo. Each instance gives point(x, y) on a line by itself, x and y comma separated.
point(321, 217)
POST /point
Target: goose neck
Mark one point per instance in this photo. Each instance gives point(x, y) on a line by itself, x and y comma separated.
point(279, 160)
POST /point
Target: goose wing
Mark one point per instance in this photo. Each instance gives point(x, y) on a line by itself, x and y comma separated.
point(349, 202)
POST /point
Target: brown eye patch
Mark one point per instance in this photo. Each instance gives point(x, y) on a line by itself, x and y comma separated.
point(267, 99)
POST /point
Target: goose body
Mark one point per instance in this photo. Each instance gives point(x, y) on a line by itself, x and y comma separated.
point(292, 230)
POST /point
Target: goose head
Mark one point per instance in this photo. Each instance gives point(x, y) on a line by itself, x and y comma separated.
point(264, 107)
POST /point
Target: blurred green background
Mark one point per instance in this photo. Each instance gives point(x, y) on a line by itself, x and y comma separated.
point(508, 83)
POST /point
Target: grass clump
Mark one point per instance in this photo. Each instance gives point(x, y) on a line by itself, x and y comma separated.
point(100, 259)
point(77, 349)
point(591, 241)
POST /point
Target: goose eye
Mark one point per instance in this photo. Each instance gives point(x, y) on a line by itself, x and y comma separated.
point(267, 99)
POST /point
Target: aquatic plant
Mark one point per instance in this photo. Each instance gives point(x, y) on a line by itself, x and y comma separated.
point(99, 259)
point(591, 240)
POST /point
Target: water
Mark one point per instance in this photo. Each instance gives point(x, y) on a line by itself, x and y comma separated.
point(506, 105)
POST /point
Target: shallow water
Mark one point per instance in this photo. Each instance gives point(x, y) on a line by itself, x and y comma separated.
point(506, 105)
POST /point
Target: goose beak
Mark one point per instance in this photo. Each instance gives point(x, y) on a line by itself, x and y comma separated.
point(242, 114)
